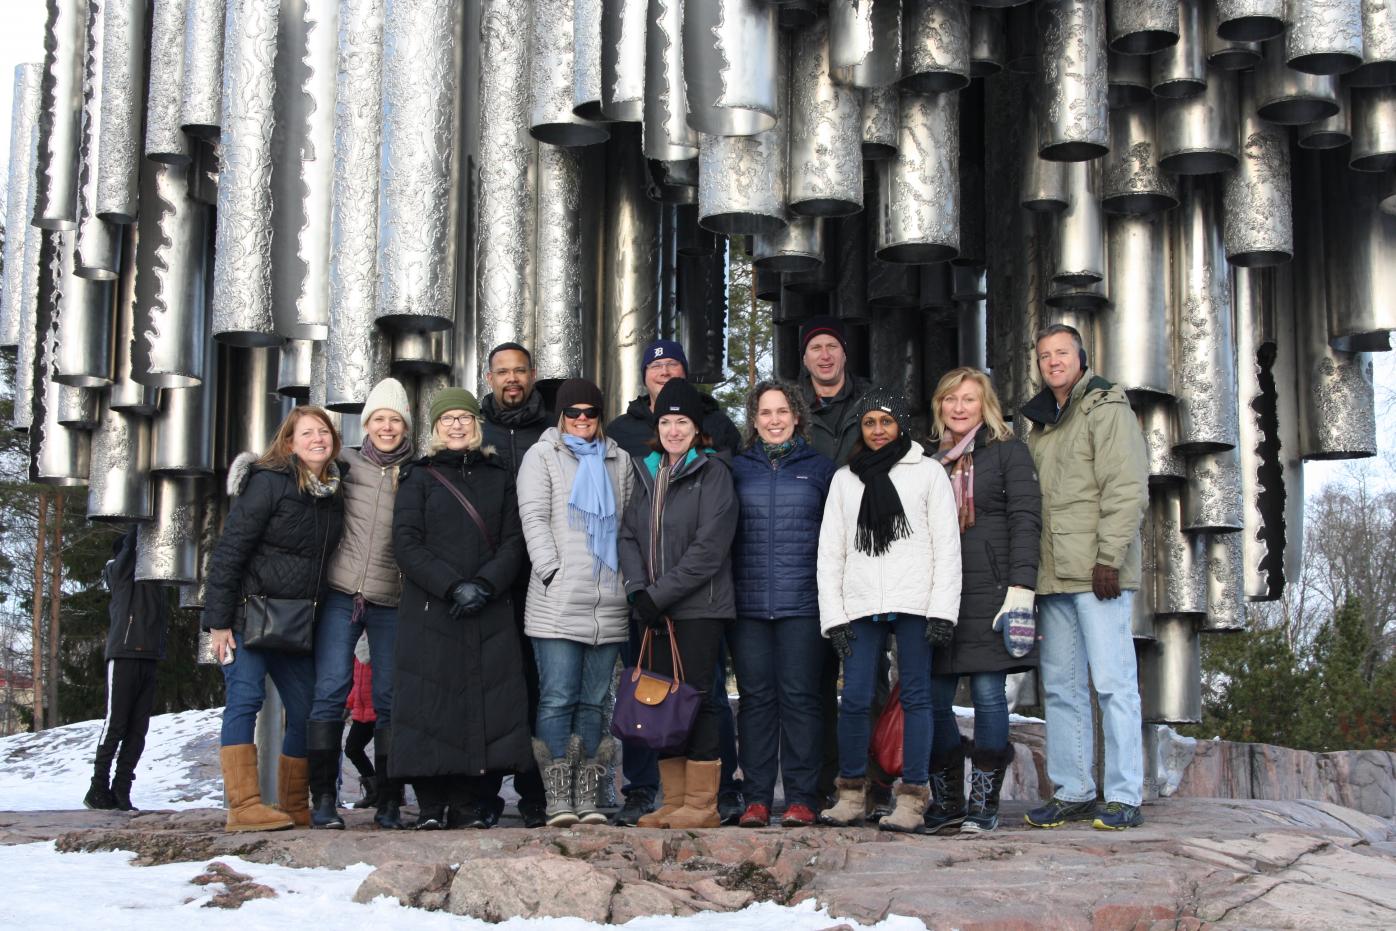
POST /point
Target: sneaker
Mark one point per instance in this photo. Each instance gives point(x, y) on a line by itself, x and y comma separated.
point(534, 813)
point(431, 819)
point(99, 798)
point(1058, 812)
point(637, 805)
point(798, 816)
point(1118, 816)
point(755, 816)
point(730, 806)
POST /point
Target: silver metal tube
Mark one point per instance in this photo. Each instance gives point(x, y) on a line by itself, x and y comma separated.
point(1197, 135)
point(83, 311)
point(730, 63)
point(918, 216)
point(98, 239)
point(1258, 226)
point(1141, 27)
point(119, 488)
point(123, 107)
point(667, 135)
point(1078, 256)
point(1212, 493)
point(1132, 180)
point(1333, 131)
point(1359, 242)
point(1373, 128)
point(825, 173)
point(170, 348)
point(552, 78)
point(1129, 81)
point(1170, 673)
point(60, 110)
point(988, 42)
point(164, 140)
point(586, 62)
point(1073, 119)
point(797, 248)
point(1179, 70)
point(1158, 420)
point(206, 24)
point(167, 545)
point(623, 36)
point(1228, 54)
point(1378, 46)
point(1323, 36)
point(557, 347)
point(1180, 585)
point(935, 49)
point(126, 394)
point(20, 268)
point(1291, 97)
point(1250, 20)
point(881, 119)
point(1226, 604)
point(1134, 332)
point(865, 42)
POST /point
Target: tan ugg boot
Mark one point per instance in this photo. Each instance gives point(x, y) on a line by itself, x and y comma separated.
point(293, 789)
point(245, 809)
point(849, 809)
point(671, 781)
point(907, 817)
point(701, 778)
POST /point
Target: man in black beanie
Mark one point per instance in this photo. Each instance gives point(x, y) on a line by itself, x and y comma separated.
point(831, 391)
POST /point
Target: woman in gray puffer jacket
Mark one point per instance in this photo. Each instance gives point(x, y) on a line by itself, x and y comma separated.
point(573, 485)
point(364, 589)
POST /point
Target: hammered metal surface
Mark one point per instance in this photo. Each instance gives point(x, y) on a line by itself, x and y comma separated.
point(1323, 36)
point(167, 545)
point(825, 175)
point(21, 256)
point(730, 65)
point(797, 248)
point(667, 135)
point(119, 486)
point(242, 291)
point(552, 78)
point(1132, 180)
point(586, 62)
point(1180, 585)
point(201, 104)
point(123, 107)
point(623, 36)
point(60, 116)
point(1158, 421)
point(1212, 493)
point(935, 52)
point(1250, 20)
point(416, 209)
point(164, 140)
point(170, 348)
point(1258, 225)
point(1378, 45)
point(1204, 363)
point(1139, 27)
point(98, 241)
point(1226, 603)
point(881, 122)
point(918, 216)
point(865, 42)
point(1073, 119)
point(557, 347)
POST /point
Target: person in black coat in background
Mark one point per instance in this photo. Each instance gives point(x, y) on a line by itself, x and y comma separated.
point(1000, 516)
point(460, 709)
point(139, 613)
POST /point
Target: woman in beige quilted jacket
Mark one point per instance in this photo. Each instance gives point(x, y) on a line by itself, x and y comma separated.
point(364, 588)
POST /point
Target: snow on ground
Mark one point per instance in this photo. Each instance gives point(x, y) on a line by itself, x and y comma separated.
point(105, 891)
point(52, 769)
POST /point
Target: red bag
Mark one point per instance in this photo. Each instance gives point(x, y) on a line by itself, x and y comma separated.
point(887, 735)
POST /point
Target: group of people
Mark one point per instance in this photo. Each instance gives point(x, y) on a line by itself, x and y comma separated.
point(502, 577)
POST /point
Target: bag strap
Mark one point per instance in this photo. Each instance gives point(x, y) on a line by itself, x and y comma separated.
point(465, 503)
point(646, 655)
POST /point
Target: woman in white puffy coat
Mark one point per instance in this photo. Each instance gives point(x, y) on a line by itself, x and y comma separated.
point(573, 485)
point(889, 562)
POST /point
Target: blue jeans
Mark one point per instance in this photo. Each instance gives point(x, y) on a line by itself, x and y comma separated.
point(335, 637)
point(990, 711)
point(245, 678)
point(860, 682)
point(778, 667)
point(573, 682)
point(1084, 641)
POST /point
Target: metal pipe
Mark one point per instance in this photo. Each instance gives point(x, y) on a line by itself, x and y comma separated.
point(1258, 226)
point(865, 42)
point(164, 140)
point(208, 44)
point(60, 109)
point(730, 66)
point(1073, 121)
point(824, 177)
point(935, 48)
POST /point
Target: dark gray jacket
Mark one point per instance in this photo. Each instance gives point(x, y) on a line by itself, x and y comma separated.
point(833, 425)
point(139, 612)
point(693, 568)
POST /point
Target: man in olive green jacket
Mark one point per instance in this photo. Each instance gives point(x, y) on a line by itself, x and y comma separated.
point(1093, 468)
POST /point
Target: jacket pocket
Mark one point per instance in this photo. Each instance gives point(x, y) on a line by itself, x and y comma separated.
point(1073, 544)
point(993, 563)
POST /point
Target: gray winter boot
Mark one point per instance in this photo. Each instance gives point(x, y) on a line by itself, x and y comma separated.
point(557, 784)
point(588, 787)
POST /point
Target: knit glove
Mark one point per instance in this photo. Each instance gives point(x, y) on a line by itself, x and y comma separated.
point(939, 631)
point(842, 638)
point(1105, 582)
point(648, 611)
point(468, 598)
point(1016, 621)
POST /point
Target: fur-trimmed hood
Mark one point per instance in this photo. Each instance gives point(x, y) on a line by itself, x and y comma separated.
point(246, 463)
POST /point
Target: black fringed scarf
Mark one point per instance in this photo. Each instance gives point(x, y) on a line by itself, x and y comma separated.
point(881, 519)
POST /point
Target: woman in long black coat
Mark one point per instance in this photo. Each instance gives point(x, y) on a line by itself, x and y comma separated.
point(999, 507)
point(460, 705)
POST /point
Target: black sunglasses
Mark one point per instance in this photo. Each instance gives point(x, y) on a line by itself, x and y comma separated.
point(581, 413)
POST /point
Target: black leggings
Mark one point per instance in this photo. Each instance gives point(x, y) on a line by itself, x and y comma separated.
point(700, 644)
point(360, 733)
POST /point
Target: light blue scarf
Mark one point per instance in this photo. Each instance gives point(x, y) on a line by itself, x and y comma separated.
point(592, 506)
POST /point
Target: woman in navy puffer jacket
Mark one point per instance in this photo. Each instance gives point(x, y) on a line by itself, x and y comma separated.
point(781, 484)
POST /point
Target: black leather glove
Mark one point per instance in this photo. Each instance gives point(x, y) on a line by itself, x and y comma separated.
point(648, 611)
point(1105, 582)
point(842, 638)
point(939, 631)
point(468, 598)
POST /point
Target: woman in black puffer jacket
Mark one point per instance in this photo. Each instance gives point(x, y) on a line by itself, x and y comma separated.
point(285, 520)
point(460, 703)
point(1000, 515)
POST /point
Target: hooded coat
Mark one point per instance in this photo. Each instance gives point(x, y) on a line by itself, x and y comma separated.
point(574, 604)
point(276, 542)
point(998, 551)
point(460, 706)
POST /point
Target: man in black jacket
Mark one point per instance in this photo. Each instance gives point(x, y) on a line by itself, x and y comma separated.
point(831, 391)
point(513, 417)
point(664, 360)
point(139, 613)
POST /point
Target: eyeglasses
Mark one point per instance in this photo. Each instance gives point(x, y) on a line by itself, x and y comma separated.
point(580, 413)
point(517, 373)
point(454, 420)
point(665, 365)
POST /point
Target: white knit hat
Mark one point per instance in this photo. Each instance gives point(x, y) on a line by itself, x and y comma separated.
point(388, 394)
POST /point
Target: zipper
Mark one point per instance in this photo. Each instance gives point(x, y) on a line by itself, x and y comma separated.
point(770, 545)
point(130, 622)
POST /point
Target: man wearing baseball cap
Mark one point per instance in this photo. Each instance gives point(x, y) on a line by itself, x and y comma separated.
point(830, 389)
point(662, 360)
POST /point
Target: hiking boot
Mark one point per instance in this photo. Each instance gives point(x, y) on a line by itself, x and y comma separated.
point(985, 782)
point(1059, 811)
point(906, 817)
point(798, 816)
point(637, 804)
point(946, 812)
point(849, 809)
point(99, 797)
point(1118, 816)
point(368, 785)
point(730, 806)
point(755, 816)
point(557, 781)
point(589, 778)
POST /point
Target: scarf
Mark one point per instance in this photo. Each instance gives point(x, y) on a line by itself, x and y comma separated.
point(778, 451)
point(395, 456)
point(592, 505)
point(318, 488)
point(527, 414)
point(881, 519)
point(958, 459)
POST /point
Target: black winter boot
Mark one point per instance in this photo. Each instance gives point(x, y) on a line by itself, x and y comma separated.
point(323, 745)
point(121, 792)
point(988, 767)
point(99, 797)
point(387, 792)
point(369, 786)
point(946, 812)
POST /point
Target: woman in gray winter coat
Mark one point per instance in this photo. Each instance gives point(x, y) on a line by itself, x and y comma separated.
point(999, 508)
point(364, 589)
point(573, 486)
point(675, 554)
